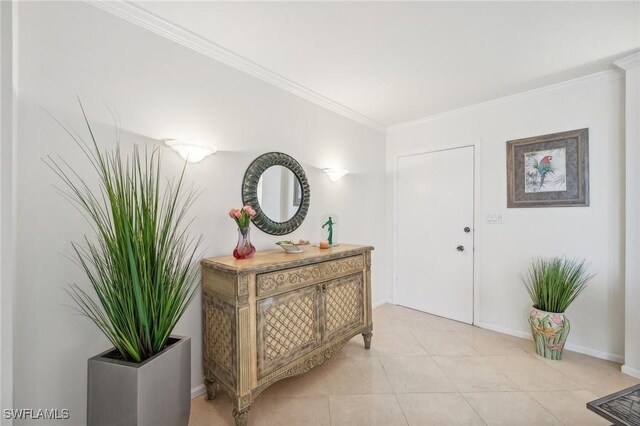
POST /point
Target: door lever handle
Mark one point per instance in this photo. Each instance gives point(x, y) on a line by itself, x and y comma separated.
point(460, 248)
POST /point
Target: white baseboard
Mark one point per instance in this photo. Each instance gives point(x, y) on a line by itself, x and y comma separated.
point(380, 303)
point(630, 371)
point(595, 353)
point(569, 346)
point(504, 330)
point(197, 391)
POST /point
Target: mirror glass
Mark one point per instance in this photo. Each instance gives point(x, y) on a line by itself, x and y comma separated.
point(276, 186)
point(279, 193)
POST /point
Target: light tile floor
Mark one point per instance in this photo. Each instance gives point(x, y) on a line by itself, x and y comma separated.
point(426, 370)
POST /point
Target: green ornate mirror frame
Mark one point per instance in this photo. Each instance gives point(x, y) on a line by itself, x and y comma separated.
point(250, 192)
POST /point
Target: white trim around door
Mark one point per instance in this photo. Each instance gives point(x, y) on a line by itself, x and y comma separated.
point(8, 138)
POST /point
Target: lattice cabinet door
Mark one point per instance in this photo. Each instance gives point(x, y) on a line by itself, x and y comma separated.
point(343, 308)
point(219, 342)
point(288, 327)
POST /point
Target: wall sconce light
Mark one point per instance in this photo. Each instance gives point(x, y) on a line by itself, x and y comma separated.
point(191, 152)
point(335, 174)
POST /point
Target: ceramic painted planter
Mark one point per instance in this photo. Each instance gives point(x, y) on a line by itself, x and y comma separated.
point(151, 393)
point(550, 331)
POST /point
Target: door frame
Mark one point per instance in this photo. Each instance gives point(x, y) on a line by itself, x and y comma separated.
point(477, 209)
point(8, 147)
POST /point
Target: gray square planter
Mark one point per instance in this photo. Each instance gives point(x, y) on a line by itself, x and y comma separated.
point(151, 393)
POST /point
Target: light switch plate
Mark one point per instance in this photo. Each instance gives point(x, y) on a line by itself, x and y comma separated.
point(494, 219)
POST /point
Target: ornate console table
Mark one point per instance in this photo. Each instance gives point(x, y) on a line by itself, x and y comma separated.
point(277, 315)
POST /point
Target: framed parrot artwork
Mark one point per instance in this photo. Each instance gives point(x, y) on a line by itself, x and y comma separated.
point(549, 171)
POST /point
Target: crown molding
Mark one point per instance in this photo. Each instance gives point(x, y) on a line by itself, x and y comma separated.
point(587, 80)
point(138, 16)
point(628, 62)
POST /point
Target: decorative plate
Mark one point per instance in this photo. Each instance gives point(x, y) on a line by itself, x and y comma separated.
point(292, 246)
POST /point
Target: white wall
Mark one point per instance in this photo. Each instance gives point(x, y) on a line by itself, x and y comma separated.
point(159, 90)
point(504, 251)
point(631, 67)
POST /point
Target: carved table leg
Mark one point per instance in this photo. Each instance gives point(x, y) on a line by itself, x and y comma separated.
point(241, 416)
point(211, 386)
point(367, 339)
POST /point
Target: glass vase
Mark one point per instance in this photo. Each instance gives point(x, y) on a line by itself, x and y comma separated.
point(244, 249)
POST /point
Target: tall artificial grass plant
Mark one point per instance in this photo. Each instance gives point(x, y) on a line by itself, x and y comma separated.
point(554, 283)
point(141, 261)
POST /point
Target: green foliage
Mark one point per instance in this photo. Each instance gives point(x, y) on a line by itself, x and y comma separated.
point(554, 283)
point(141, 262)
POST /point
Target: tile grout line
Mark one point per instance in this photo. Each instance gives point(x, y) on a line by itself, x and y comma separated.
point(406, 420)
point(541, 362)
point(459, 392)
point(384, 370)
point(473, 408)
point(419, 343)
point(445, 374)
point(544, 408)
point(330, 416)
point(503, 374)
point(522, 392)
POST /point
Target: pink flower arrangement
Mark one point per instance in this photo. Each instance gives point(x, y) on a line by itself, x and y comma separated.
point(242, 216)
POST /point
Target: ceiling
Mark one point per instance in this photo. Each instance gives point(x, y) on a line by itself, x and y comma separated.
point(399, 61)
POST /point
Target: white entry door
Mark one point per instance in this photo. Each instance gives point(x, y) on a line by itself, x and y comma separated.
point(435, 233)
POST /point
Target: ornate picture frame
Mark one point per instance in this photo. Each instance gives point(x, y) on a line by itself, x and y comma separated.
point(549, 170)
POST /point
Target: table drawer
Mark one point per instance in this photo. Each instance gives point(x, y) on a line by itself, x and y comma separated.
point(271, 283)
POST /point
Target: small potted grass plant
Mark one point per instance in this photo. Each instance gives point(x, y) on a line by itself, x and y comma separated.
point(141, 266)
point(553, 285)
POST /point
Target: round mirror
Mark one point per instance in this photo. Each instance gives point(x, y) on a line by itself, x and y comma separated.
point(279, 193)
point(275, 185)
